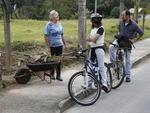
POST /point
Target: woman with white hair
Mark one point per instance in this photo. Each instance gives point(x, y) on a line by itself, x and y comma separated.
point(53, 34)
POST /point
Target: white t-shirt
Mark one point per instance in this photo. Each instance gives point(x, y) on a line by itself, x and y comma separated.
point(100, 40)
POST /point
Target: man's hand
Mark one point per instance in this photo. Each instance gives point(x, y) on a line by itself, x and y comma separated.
point(132, 40)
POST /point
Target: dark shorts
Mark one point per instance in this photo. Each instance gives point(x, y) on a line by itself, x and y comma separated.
point(56, 50)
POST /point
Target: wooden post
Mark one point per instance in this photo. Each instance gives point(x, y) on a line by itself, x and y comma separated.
point(95, 6)
point(0, 62)
point(7, 35)
point(122, 6)
point(136, 7)
point(2, 85)
point(143, 19)
point(0, 73)
point(82, 23)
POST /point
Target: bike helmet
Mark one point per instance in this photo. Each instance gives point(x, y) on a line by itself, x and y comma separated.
point(95, 17)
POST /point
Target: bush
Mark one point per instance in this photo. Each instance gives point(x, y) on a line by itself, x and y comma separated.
point(115, 12)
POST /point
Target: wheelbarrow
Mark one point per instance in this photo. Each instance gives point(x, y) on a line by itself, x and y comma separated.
point(23, 75)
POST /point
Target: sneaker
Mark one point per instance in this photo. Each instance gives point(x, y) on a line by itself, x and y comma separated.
point(105, 88)
point(128, 80)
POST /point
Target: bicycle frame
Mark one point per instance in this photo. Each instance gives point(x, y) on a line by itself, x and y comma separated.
point(91, 66)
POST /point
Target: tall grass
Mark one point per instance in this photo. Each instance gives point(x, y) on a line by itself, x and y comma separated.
point(32, 30)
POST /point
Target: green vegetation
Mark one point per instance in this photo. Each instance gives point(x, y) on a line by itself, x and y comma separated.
point(68, 9)
point(32, 30)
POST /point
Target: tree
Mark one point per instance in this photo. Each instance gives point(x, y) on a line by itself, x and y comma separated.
point(5, 7)
point(115, 12)
point(82, 23)
point(146, 10)
point(38, 9)
point(90, 5)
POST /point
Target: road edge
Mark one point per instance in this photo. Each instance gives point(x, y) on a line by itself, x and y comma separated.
point(68, 102)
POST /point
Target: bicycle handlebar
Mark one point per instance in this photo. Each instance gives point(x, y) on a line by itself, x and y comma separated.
point(81, 51)
point(115, 45)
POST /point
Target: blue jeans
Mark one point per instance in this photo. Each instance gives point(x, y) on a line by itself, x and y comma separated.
point(127, 55)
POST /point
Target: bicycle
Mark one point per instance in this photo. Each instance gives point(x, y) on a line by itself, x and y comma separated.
point(85, 86)
point(117, 67)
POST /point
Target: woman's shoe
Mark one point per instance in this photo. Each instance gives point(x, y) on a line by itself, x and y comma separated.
point(58, 78)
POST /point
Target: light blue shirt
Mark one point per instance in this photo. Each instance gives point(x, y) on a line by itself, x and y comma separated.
point(54, 32)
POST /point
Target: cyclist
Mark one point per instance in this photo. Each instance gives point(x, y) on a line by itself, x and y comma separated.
point(127, 30)
point(96, 41)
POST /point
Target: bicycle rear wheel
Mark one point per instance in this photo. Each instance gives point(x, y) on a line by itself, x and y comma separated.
point(84, 88)
point(117, 71)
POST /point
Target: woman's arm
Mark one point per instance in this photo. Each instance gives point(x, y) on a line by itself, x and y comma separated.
point(64, 42)
point(47, 42)
point(93, 38)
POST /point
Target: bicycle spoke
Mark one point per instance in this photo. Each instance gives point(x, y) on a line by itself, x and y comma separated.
point(84, 89)
point(117, 75)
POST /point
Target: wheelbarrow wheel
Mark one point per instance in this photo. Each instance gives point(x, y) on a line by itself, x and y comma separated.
point(22, 76)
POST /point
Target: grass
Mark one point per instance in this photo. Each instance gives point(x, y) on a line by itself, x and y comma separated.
point(32, 30)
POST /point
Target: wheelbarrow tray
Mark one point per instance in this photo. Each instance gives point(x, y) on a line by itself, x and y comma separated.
point(42, 66)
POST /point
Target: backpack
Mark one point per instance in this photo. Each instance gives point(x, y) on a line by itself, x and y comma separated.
point(123, 42)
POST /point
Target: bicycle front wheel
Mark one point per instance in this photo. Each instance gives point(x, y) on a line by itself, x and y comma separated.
point(84, 88)
point(117, 74)
point(109, 78)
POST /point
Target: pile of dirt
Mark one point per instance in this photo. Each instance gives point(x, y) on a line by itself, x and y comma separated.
point(28, 52)
point(23, 54)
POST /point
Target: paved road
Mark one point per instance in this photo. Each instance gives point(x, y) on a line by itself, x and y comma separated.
point(31, 98)
point(131, 97)
point(35, 97)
